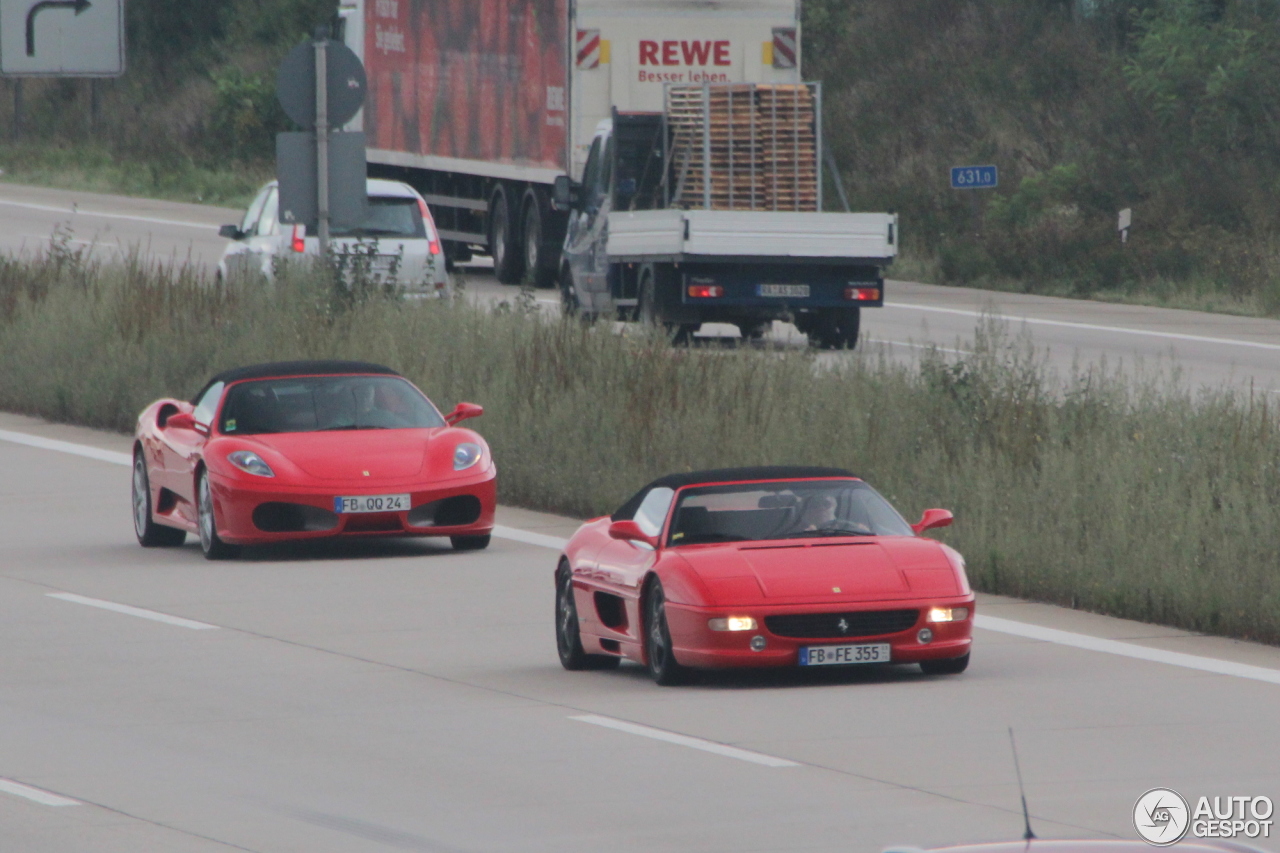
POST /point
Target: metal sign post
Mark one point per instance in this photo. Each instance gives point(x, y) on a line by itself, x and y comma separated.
point(322, 141)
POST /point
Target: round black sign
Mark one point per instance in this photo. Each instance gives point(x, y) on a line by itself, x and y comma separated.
point(296, 84)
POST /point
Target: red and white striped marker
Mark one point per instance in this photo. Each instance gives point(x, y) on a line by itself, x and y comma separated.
point(784, 47)
point(589, 49)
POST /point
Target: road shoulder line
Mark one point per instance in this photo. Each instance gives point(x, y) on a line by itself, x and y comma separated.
point(685, 740)
point(35, 795)
point(130, 610)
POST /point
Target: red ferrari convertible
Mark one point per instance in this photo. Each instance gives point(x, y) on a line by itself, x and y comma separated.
point(304, 450)
point(756, 567)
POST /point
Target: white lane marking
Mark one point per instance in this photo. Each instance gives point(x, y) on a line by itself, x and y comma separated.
point(1176, 336)
point(102, 215)
point(66, 447)
point(990, 623)
point(516, 535)
point(926, 346)
point(36, 795)
point(685, 740)
point(133, 611)
point(1129, 650)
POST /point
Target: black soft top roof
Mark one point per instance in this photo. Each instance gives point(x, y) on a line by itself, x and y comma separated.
point(727, 475)
point(313, 367)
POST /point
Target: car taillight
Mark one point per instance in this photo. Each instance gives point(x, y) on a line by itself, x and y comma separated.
point(429, 225)
point(299, 238)
point(705, 291)
point(862, 294)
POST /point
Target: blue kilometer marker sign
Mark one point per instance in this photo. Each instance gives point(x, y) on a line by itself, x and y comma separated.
point(974, 177)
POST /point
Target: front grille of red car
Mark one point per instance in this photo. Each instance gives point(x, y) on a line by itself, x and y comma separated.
point(859, 623)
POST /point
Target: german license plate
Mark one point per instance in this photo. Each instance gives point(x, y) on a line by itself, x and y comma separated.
point(798, 291)
point(372, 503)
point(844, 654)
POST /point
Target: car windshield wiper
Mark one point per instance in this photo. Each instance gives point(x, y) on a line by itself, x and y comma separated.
point(830, 531)
point(699, 538)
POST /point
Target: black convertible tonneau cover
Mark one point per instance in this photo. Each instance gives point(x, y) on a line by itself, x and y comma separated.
point(313, 367)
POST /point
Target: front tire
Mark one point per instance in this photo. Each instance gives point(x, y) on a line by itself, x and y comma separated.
point(470, 543)
point(568, 635)
point(150, 534)
point(945, 666)
point(210, 543)
point(658, 654)
point(504, 243)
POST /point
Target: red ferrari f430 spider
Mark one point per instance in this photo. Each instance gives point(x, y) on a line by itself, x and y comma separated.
point(760, 567)
point(309, 449)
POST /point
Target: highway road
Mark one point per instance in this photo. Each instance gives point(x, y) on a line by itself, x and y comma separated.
point(1202, 350)
point(396, 695)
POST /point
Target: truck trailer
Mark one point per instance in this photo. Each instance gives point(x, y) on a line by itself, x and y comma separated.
point(658, 160)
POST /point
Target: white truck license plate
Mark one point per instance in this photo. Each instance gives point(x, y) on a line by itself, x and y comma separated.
point(372, 503)
point(844, 654)
point(800, 291)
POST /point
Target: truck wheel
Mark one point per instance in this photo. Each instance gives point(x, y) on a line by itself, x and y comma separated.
point(649, 314)
point(536, 258)
point(504, 241)
point(569, 304)
point(835, 329)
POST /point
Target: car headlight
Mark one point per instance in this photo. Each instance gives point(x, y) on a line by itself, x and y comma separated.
point(948, 614)
point(250, 463)
point(732, 623)
point(465, 455)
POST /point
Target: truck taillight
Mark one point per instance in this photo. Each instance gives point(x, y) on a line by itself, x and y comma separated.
point(862, 294)
point(705, 291)
point(299, 242)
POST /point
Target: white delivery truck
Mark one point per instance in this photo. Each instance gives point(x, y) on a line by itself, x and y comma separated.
point(661, 159)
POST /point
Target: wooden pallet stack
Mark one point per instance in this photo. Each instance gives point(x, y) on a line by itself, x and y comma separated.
point(763, 150)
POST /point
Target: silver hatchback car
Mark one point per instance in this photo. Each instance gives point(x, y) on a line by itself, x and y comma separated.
point(397, 245)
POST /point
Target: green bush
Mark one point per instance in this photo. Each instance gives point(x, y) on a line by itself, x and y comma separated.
point(1130, 498)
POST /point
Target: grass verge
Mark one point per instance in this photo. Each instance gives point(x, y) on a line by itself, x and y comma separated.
point(1133, 499)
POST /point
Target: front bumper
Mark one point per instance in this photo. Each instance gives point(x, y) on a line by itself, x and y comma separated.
point(696, 645)
point(248, 512)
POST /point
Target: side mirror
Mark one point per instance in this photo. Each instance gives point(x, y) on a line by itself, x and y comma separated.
point(564, 193)
point(933, 518)
point(463, 411)
point(628, 531)
point(185, 420)
point(231, 232)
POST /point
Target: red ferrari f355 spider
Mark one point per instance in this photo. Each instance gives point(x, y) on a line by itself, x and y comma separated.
point(760, 567)
point(309, 449)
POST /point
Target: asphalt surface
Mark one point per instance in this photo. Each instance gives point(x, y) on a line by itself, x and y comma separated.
point(1195, 349)
point(396, 695)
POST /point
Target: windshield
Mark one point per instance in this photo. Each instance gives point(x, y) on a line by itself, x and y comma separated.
point(783, 510)
point(389, 217)
point(319, 403)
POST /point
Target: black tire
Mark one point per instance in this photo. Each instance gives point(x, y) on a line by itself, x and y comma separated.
point(658, 655)
point(649, 314)
point(569, 304)
point(752, 331)
point(210, 542)
point(504, 240)
point(470, 543)
point(945, 666)
point(150, 534)
point(537, 260)
point(568, 636)
point(835, 329)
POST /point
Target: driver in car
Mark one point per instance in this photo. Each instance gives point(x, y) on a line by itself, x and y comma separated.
point(818, 513)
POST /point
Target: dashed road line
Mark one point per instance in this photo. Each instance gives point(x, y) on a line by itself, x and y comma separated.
point(129, 610)
point(36, 795)
point(685, 740)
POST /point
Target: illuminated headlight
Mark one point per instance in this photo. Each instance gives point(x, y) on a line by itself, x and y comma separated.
point(947, 614)
point(250, 463)
point(732, 623)
point(465, 455)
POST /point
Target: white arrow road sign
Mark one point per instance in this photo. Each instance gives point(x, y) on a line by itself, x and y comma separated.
point(62, 38)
